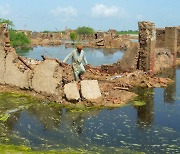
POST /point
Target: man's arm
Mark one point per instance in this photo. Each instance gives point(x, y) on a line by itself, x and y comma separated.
point(67, 57)
point(85, 60)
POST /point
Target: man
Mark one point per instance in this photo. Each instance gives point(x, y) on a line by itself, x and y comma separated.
point(78, 57)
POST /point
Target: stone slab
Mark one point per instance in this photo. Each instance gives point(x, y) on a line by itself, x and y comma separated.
point(90, 90)
point(71, 91)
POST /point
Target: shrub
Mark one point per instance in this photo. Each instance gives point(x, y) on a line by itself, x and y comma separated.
point(18, 39)
point(73, 36)
point(84, 30)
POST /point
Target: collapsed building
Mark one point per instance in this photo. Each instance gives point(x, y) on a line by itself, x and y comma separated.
point(149, 54)
point(51, 79)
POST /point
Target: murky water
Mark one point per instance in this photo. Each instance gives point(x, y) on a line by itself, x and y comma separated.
point(94, 56)
point(151, 128)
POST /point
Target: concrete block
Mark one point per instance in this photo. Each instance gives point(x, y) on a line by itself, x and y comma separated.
point(71, 91)
point(90, 90)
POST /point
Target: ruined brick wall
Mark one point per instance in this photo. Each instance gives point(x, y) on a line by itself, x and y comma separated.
point(147, 42)
point(171, 41)
point(160, 37)
point(35, 35)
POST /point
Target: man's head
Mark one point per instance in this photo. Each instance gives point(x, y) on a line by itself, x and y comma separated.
point(79, 48)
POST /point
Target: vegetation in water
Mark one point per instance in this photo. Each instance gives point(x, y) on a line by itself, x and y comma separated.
point(142, 96)
point(139, 103)
point(27, 150)
point(14, 103)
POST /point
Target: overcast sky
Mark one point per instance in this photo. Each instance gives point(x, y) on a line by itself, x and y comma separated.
point(40, 15)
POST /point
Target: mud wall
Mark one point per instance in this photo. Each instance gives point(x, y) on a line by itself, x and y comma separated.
point(41, 35)
point(44, 77)
point(171, 41)
point(160, 35)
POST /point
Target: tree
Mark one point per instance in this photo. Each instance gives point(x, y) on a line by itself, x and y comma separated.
point(8, 22)
point(18, 39)
point(73, 36)
point(84, 30)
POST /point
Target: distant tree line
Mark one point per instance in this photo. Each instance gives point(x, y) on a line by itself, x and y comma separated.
point(128, 32)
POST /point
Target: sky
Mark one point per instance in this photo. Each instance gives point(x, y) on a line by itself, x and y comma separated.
point(56, 15)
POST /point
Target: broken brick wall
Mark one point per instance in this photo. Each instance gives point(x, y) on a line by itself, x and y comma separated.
point(160, 38)
point(147, 42)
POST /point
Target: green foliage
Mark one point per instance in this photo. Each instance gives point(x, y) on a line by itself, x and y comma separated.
point(128, 32)
point(19, 39)
point(84, 30)
point(8, 22)
point(73, 36)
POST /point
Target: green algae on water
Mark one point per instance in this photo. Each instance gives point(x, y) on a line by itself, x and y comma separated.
point(94, 149)
point(139, 103)
point(4, 117)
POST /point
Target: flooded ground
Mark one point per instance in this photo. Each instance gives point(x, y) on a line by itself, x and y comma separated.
point(152, 127)
point(94, 56)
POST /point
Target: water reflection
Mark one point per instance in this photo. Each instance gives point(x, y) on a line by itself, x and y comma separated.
point(145, 114)
point(94, 56)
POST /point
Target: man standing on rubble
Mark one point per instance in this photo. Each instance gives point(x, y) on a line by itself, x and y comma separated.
point(78, 57)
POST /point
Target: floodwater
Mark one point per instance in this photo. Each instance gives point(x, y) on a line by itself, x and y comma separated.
point(94, 56)
point(153, 127)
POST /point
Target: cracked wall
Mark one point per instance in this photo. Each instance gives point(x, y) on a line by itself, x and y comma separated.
point(44, 77)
